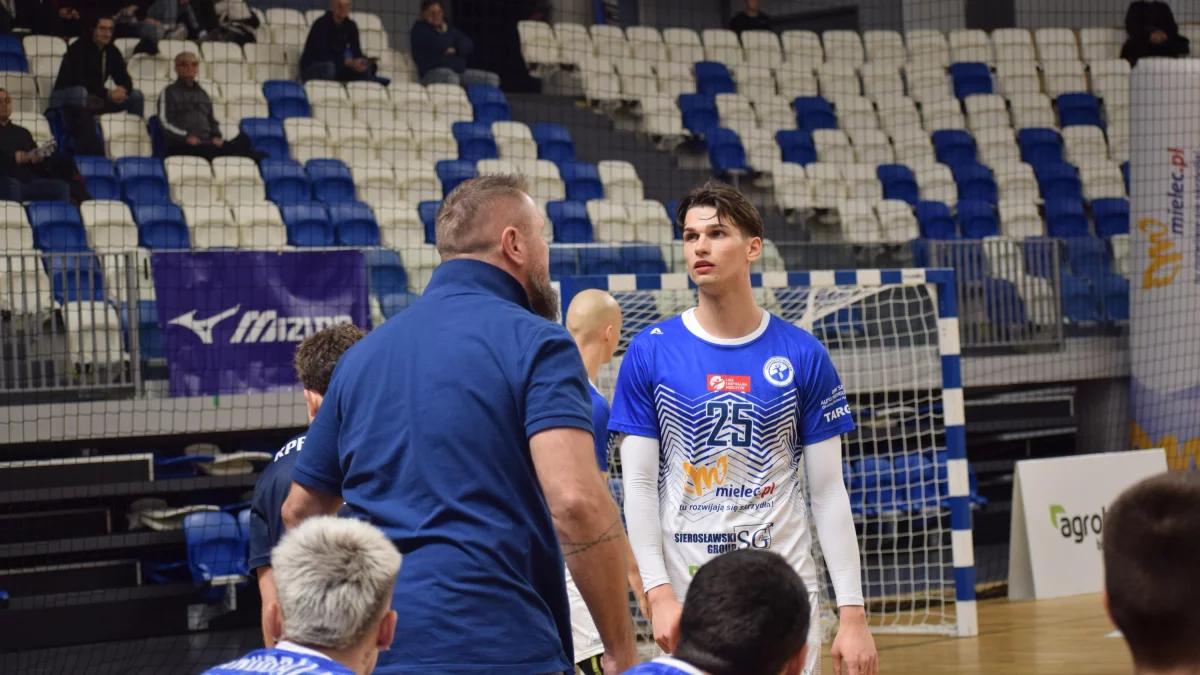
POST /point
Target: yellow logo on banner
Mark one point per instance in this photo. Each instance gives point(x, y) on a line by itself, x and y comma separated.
point(1161, 255)
point(1178, 458)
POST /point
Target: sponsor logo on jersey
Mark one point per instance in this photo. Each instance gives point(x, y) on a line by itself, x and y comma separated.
point(256, 327)
point(838, 394)
point(734, 383)
point(836, 413)
point(656, 331)
point(700, 479)
point(778, 371)
point(744, 536)
point(296, 444)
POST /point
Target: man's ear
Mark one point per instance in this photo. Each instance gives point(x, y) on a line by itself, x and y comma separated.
point(387, 631)
point(756, 248)
point(795, 665)
point(312, 401)
point(512, 246)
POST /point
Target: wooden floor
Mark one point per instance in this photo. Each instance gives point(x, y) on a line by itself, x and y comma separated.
point(1055, 637)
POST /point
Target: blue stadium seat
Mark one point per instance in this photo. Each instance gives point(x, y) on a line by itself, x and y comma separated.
point(1040, 146)
point(394, 303)
point(978, 219)
point(935, 221)
point(814, 112)
point(143, 180)
point(1005, 306)
point(699, 113)
point(911, 468)
point(100, 177)
point(76, 278)
point(266, 135)
point(1059, 181)
point(1039, 253)
point(161, 227)
point(975, 183)
point(1066, 218)
point(285, 99)
point(11, 44)
point(570, 221)
point(286, 181)
point(489, 103)
point(428, 212)
point(1079, 305)
point(671, 207)
point(13, 62)
point(553, 141)
point(954, 147)
point(642, 259)
point(1079, 110)
point(712, 78)
point(475, 141)
point(307, 224)
point(331, 180)
point(725, 152)
point(922, 496)
point(213, 546)
point(601, 260)
point(1114, 291)
point(582, 181)
point(971, 78)
point(385, 272)
point(1111, 216)
point(967, 259)
point(57, 227)
point(797, 146)
point(563, 262)
point(243, 521)
point(898, 182)
point(875, 471)
point(150, 338)
point(354, 224)
point(1088, 257)
point(454, 171)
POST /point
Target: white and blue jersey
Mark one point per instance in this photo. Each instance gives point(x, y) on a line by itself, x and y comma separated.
point(665, 666)
point(281, 662)
point(732, 418)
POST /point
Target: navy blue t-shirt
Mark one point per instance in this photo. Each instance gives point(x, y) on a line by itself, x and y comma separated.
point(601, 436)
point(271, 490)
point(425, 432)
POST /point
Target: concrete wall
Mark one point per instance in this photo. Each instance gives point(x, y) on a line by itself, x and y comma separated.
point(943, 15)
point(1079, 13)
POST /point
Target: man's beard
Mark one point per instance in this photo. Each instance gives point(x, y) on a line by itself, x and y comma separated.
point(542, 296)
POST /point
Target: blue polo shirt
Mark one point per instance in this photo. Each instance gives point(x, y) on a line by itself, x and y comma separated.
point(424, 431)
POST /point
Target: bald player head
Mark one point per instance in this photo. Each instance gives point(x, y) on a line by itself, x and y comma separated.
point(594, 320)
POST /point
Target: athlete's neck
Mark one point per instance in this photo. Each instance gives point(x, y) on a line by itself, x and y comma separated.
point(730, 314)
point(593, 358)
point(357, 658)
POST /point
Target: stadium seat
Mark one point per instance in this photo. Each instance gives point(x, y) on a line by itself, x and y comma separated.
point(898, 183)
point(699, 112)
point(814, 112)
point(307, 224)
point(604, 260)
point(725, 152)
point(161, 227)
point(454, 171)
point(954, 147)
point(331, 181)
point(427, 212)
point(266, 135)
point(897, 221)
point(935, 220)
point(1059, 181)
point(713, 78)
point(937, 183)
point(563, 262)
point(1066, 218)
point(1040, 146)
point(1079, 305)
point(977, 219)
point(212, 227)
point(286, 99)
point(100, 177)
point(488, 103)
point(797, 146)
point(514, 140)
point(286, 182)
point(191, 180)
point(651, 221)
point(109, 225)
point(1114, 292)
point(353, 224)
point(583, 182)
point(571, 222)
point(1079, 109)
point(76, 278)
point(261, 225)
point(642, 259)
point(1111, 216)
point(1087, 257)
point(239, 180)
point(57, 226)
point(1063, 77)
point(475, 141)
point(392, 304)
point(554, 142)
point(143, 180)
point(213, 547)
point(385, 272)
point(1021, 219)
point(971, 78)
point(610, 221)
point(911, 468)
point(859, 223)
point(975, 183)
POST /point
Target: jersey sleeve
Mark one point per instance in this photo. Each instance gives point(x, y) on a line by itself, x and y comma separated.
point(261, 541)
point(633, 402)
point(600, 415)
point(556, 389)
point(825, 412)
point(319, 466)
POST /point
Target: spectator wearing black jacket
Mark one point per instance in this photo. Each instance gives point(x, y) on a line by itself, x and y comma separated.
point(186, 114)
point(80, 91)
point(332, 50)
point(749, 19)
point(1152, 31)
point(28, 175)
point(441, 50)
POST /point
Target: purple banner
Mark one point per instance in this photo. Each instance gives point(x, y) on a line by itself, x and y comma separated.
point(231, 320)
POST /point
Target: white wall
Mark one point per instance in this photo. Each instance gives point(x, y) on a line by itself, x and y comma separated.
point(1080, 13)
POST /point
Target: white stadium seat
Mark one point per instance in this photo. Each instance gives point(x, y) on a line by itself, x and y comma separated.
point(609, 41)
point(683, 45)
point(646, 43)
point(610, 221)
point(844, 46)
point(539, 46)
point(239, 180)
point(885, 46)
point(1056, 44)
point(762, 49)
point(620, 179)
point(897, 221)
point(927, 48)
point(191, 180)
point(574, 42)
point(1013, 44)
point(970, 46)
point(722, 45)
point(859, 223)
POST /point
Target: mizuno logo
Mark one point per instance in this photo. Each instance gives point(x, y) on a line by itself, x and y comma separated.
point(204, 327)
point(259, 326)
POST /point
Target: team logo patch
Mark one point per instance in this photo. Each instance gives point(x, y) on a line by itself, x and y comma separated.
point(778, 371)
point(734, 383)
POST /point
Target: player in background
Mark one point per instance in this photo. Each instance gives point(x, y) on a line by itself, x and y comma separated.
point(746, 613)
point(315, 358)
point(1151, 561)
point(594, 322)
point(732, 420)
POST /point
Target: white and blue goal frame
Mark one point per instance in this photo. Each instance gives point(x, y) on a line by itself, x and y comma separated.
point(942, 282)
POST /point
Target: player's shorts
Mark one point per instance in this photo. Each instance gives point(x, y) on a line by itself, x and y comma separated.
point(589, 666)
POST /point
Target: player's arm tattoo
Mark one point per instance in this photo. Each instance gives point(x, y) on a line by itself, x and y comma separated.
point(612, 533)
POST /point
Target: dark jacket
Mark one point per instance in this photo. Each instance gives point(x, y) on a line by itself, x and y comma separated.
point(1144, 18)
point(329, 41)
point(14, 139)
point(743, 22)
point(429, 47)
point(187, 111)
point(85, 65)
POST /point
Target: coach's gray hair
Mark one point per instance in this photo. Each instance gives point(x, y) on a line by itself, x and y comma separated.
point(334, 578)
point(459, 231)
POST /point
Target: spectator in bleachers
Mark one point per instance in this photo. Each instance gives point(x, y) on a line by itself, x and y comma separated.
point(31, 174)
point(332, 50)
point(1152, 31)
point(335, 578)
point(64, 18)
point(185, 112)
point(441, 50)
point(232, 21)
point(80, 91)
point(131, 20)
point(749, 19)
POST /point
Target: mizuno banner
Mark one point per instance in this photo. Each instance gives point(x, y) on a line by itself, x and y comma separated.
point(231, 320)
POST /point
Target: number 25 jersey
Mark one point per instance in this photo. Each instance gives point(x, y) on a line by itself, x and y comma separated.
point(732, 418)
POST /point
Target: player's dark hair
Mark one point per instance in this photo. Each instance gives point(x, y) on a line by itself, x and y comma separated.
point(426, 4)
point(319, 353)
point(746, 613)
point(1151, 543)
point(732, 207)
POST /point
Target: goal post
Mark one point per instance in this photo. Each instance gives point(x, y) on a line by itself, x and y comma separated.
point(893, 336)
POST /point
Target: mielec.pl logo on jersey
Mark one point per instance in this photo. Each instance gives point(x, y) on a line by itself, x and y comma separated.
point(1078, 527)
point(700, 480)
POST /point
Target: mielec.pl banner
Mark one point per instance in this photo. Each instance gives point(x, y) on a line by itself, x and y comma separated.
point(231, 320)
point(1164, 239)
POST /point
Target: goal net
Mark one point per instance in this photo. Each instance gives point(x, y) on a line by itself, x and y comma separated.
point(893, 336)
